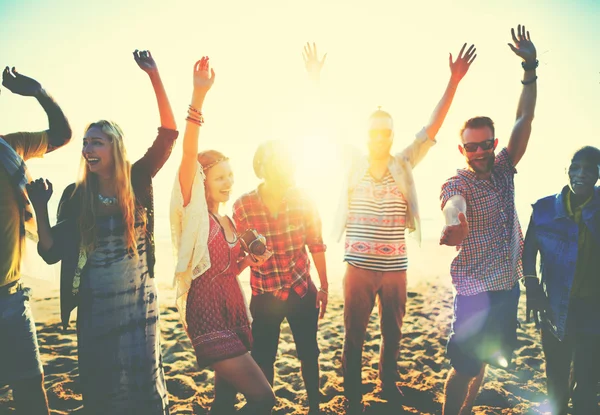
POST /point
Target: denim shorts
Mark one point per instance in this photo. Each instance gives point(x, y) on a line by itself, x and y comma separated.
point(484, 330)
point(19, 354)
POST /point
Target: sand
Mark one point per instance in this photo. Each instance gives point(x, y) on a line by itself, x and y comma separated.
point(423, 365)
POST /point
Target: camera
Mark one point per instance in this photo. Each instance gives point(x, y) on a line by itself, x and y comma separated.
point(253, 242)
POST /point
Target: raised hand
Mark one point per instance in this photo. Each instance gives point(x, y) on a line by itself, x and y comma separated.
point(145, 61)
point(523, 46)
point(461, 65)
point(39, 192)
point(454, 235)
point(20, 84)
point(311, 61)
point(202, 80)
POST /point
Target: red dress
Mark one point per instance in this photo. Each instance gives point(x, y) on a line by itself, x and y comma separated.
point(216, 313)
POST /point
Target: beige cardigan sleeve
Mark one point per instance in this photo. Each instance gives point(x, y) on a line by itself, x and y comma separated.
point(189, 235)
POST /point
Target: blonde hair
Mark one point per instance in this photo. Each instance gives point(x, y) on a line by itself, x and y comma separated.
point(87, 187)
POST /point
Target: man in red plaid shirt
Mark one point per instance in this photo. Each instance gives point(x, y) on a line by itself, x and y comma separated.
point(282, 286)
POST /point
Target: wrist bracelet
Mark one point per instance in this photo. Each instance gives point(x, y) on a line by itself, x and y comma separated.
point(323, 291)
point(529, 82)
point(197, 111)
point(531, 66)
point(195, 121)
point(527, 278)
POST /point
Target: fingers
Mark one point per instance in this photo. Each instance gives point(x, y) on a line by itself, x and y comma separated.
point(6, 76)
point(470, 61)
point(201, 65)
point(212, 74)
point(460, 54)
point(49, 186)
point(310, 54)
point(514, 49)
point(450, 59)
point(323, 306)
point(197, 65)
point(141, 55)
point(514, 38)
point(308, 51)
point(462, 218)
point(470, 50)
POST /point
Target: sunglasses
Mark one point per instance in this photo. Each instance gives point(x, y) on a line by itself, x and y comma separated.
point(376, 134)
point(484, 145)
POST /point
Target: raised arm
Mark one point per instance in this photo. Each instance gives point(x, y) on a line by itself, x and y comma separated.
point(39, 193)
point(147, 64)
point(458, 69)
point(189, 160)
point(525, 49)
point(160, 150)
point(59, 130)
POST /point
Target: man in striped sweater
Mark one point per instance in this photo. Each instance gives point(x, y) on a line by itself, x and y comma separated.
point(378, 203)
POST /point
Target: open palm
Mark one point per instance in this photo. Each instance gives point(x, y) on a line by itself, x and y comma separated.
point(523, 46)
point(461, 65)
point(311, 61)
point(203, 81)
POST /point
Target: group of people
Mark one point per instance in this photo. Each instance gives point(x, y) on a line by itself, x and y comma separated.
point(105, 242)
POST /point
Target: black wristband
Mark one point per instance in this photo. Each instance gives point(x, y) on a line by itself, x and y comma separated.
point(532, 80)
point(530, 67)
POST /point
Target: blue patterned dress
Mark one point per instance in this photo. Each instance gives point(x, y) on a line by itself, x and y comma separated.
point(120, 361)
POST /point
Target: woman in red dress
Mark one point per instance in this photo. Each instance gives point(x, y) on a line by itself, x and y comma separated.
point(209, 259)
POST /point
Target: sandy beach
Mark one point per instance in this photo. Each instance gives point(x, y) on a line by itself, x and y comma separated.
point(423, 364)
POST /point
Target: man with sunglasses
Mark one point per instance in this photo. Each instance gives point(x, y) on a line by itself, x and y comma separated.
point(565, 230)
point(481, 221)
point(378, 203)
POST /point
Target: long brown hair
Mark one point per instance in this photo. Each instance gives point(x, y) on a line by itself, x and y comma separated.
point(87, 187)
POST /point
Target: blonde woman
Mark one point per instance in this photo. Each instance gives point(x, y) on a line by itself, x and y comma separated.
point(209, 259)
point(104, 237)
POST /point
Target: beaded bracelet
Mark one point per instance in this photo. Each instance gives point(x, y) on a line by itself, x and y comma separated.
point(195, 121)
point(194, 113)
point(531, 66)
point(197, 111)
point(323, 291)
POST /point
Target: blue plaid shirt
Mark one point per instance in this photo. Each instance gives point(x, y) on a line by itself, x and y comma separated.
point(489, 258)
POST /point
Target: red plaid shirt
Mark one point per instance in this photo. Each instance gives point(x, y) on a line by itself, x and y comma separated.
point(296, 226)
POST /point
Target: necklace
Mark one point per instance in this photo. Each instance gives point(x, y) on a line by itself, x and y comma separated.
point(107, 201)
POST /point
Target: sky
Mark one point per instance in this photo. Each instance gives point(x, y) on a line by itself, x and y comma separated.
point(387, 53)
